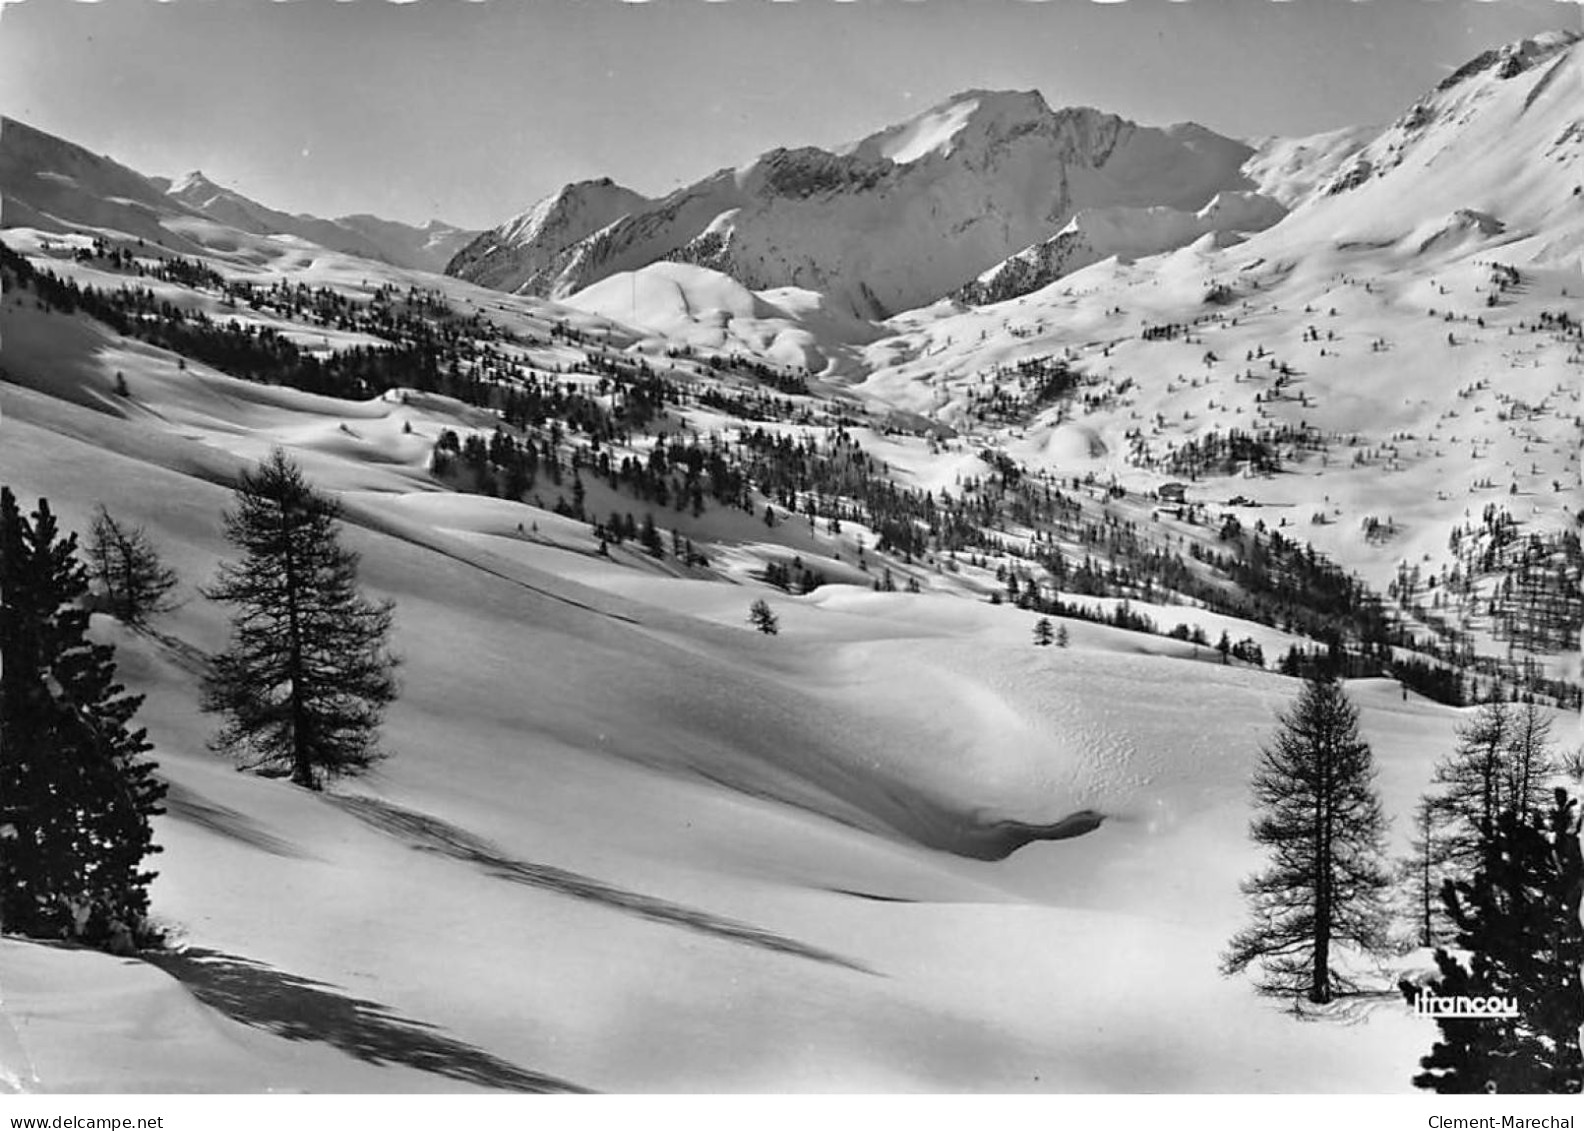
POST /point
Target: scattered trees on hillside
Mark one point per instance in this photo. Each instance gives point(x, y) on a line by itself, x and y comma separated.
point(1321, 819)
point(1518, 923)
point(134, 583)
point(76, 795)
point(307, 676)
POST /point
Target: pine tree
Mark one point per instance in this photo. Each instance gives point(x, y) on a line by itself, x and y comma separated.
point(1061, 636)
point(1319, 815)
point(1518, 920)
point(136, 584)
point(76, 797)
point(308, 674)
point(1043, 633)
point(763, 617)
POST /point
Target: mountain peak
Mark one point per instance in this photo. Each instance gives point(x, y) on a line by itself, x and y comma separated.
point(938, 130)
point(192, 180)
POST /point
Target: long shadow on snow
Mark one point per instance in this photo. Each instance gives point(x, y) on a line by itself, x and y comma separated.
point(299, 1009)
point(187, 805)
point(430, 834)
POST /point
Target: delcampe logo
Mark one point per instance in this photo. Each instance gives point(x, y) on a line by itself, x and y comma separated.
point(1431, 1004)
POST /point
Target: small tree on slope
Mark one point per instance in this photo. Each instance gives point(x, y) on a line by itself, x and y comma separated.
point(1319, 816)
point(76, 798)
point(763, 617)
point(1518, 920)
point(126, 566)
point(306, 679)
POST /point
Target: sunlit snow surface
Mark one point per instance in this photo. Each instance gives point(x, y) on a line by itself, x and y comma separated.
point(623, 842)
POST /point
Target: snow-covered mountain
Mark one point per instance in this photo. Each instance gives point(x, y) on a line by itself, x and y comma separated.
point(526, 253)
point(1503, 137)
point(52, 184)
point(1098, 233)
point(428, 248)
point(891, 222)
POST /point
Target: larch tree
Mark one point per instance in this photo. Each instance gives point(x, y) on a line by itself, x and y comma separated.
point(76, 795)
point(1530, 763)
point(304, 684)
point(1503, 761)
point(1318, 814)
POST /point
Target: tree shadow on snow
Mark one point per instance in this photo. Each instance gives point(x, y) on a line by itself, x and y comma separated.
point(431, 834)
point(187, 805)
point(299, 1009)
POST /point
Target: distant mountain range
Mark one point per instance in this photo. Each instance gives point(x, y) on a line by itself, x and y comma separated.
point(983, 198)
point(891, 222)
point(52, 184)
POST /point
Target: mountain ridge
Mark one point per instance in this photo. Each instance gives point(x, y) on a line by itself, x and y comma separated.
point(887, 223)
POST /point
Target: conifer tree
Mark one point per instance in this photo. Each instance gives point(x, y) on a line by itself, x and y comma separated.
point(1530, 762)
point(76, 797)
point(1474, 781)
point(763, 617)
point(1318, 813)
point(1044, 634)
point(304, 684)
point(122, 560)
point(1518, 922)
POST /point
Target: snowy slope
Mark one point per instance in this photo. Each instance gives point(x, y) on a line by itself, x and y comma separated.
point(524, 253)
point(888, 223)
point(570, 874)
point(681, 304)
point(1130, 233)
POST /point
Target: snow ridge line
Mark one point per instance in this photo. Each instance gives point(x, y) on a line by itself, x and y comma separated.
point(431, 834)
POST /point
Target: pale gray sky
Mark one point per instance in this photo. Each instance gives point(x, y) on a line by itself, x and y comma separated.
point(471, 111)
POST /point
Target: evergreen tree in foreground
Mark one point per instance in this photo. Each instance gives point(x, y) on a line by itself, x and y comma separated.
point(1044, 634)
point(306, 679)
point(1319, 816)
point(1518, 921)
point(124, 564)
point(76, 798)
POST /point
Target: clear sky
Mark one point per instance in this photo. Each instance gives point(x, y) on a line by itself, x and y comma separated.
point(471, 111)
